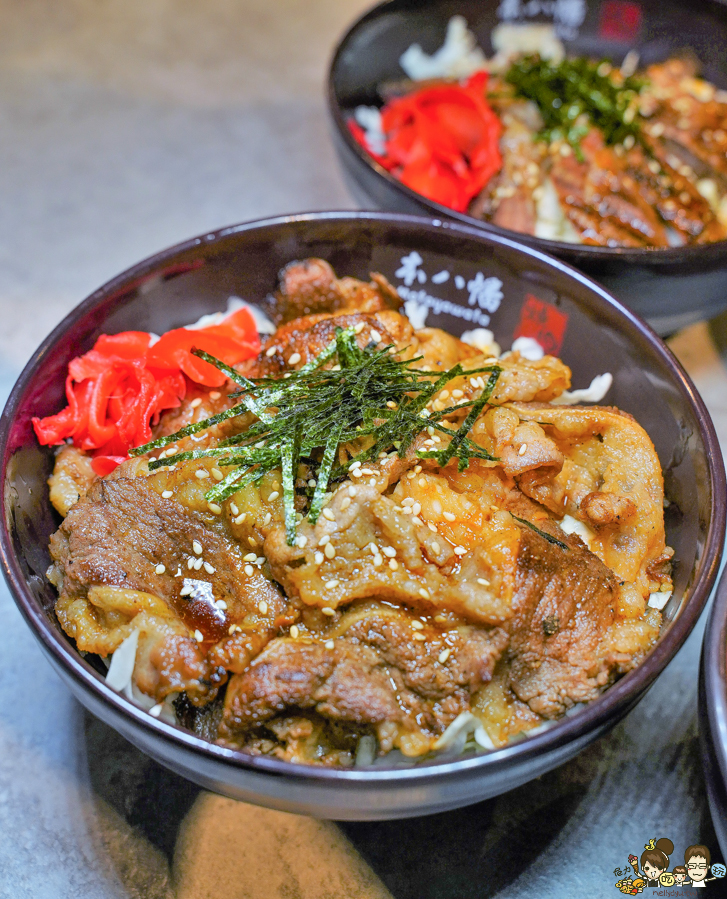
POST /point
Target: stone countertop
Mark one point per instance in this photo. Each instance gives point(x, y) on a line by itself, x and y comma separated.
point(126, 126)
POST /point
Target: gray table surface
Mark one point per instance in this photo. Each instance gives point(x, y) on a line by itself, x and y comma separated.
point(126, 126)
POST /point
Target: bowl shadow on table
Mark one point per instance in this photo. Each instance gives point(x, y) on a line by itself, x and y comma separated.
point(431, 858)
point(416, 858)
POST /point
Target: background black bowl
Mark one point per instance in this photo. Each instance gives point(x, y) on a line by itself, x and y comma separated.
point(671, 287)
point(713, 710)
point(597, 334)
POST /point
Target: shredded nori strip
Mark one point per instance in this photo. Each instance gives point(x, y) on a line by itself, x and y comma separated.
point(548, 537)
point(309, 415)
point(575, 94)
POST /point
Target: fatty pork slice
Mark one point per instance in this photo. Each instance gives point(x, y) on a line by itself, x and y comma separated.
point(121, 562)
point(610, 480)
point(377, 667)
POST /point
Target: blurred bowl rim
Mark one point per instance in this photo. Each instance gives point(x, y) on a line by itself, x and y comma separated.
point(652, 256)
point(621, 695)
point(714, 668)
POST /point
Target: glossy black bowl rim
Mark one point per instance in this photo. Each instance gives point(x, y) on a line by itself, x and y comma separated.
point(714, 671)
point(597, 714)
point(695, 254)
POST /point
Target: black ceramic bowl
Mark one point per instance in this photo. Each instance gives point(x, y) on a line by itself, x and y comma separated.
point(670, 288)
point(713, 710)
point(597, 334)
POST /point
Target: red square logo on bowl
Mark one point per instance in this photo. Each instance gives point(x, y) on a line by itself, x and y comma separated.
point(543, 322)
point(620, 20)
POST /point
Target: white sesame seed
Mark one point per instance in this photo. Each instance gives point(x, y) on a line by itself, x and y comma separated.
point(416, 519)
point(249, 570)
point(356, 473)
point(482, 582)
point(407, 501)
point(329, 644)
point(523, 449)
point(329, 515)
point(190, 562)
point(444, 655)
point(366, 471)
point(375, 336)
point(301, 541)
point(241, 517)
point(436, 547)
point(273, 496)
point(330, 551)
point(156, 710)
point(359, 327)
point(391, 404)
point(260, 560)
point(417, 625)
point(267, 519)
point(197, 547)
point(354, 465)
point(327, 610)
point(432, 527)
point(294, 359)
point(345, 503)
point(460, 551)
point(331, 585)
point(430, 431)
point(214, 508)
point(262, 607)
point(252, 541)
point(389, 551)
point(216, 474)
point(167, 494)
point(416, 508)
point(234, 509)
point(198, 636)
point(318, 558)
point(326, 538)
point(417, 469)
point(221, 605)
point(393, 564)
point(406, 510)
point(208, 568)
point(271, 351)
point(352, 491)
point(215, 394)
point(424, 593)
point(372, 482)
point(198, 564)
point(185, 591)
point(449, 516)
point(201, 473)
point(160, 569)
point(418, 636)
point(458, 394)
point(170, 451)
point(195, 402)
point(373, 548)
point(378, 560)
